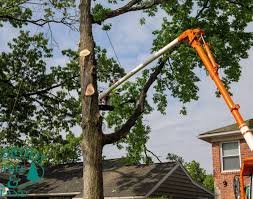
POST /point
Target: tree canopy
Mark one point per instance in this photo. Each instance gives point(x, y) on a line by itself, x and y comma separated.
point(224, 23)
point(39, 102)
point(23, 12)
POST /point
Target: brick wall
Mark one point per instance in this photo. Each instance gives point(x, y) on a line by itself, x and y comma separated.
point(223, 181)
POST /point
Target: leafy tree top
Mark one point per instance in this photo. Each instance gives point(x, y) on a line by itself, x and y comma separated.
point(48, 101)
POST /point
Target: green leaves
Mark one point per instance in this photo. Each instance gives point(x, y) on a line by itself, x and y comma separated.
point(47, 97)
point(107, 27)
point(63, 151)
point(124, 102)
point(23, 12)
point(108, 69)
point(99, 12)
point(142, 21)
point(197, 173)
point(136, 141)
point(18, 78)
point(32, 102)
point(13, 9)
point(229, 42)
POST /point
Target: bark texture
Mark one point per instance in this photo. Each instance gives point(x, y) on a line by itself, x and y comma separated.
point(133, 5)
point(91, 120)
point(93, 137)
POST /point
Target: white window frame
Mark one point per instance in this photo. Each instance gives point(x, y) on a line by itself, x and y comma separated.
point(221, 156)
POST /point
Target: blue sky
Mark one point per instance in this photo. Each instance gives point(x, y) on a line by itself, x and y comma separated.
point(172, 132)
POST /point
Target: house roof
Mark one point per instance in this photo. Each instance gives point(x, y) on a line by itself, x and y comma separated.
point(134, 180)
point(120, 180)
point(229, 131)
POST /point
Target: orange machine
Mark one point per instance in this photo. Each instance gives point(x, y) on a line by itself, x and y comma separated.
point(195, 39)
point(243, 184)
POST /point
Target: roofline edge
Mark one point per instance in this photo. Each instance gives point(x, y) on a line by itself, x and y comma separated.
point(198, 185)
point(200, 136)
point(162, 180)
point(121, 197)
point(53, 194)
point(206, 137)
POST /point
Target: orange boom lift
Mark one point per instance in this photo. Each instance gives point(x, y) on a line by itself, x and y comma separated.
point(194, 37)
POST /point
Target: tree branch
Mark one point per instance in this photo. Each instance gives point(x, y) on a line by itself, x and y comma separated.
point(129, 7)
point(43, 90)
point(205, 6)
point(125, 128)
point(42, 105)
point(39, 22)
point(104, 107)
point(240, 4)
point(152, 154)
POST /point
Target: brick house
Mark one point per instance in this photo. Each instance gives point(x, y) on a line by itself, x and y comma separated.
point(229, 149)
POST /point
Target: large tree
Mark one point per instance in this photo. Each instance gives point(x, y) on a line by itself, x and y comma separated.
point(45, 105)
point(37, 100)
point(224, 21)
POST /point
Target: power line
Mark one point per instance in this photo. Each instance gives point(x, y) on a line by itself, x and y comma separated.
point(16, 99)
point(13, 107)
point(113, 48)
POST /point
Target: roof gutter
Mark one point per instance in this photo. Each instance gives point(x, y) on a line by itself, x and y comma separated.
point(53, 194)
point(127, 197)
point(77, 193)
point(218, 134)
point(124, 197)
point(221, 133)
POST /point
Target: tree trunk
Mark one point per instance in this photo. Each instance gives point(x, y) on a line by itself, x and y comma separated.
point(92, 143)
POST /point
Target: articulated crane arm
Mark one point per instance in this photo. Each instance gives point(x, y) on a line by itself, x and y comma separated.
point(195, 39)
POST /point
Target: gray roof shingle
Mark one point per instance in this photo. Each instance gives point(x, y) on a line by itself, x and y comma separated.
point(119, 179)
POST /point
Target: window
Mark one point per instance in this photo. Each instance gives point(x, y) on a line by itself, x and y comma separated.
point(230, 156)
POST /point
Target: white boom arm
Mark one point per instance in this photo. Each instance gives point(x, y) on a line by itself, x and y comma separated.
point(150, 59)
point(195, 39)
